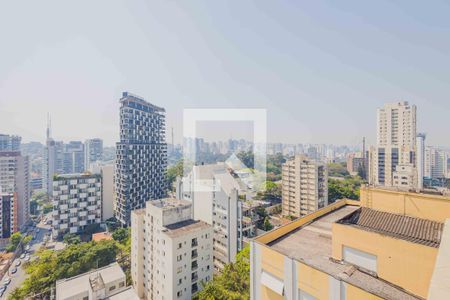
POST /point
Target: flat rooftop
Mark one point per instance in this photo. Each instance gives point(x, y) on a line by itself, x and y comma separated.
point(185, 227)
point(73, 286)
point(312, 245)
point(168, 203)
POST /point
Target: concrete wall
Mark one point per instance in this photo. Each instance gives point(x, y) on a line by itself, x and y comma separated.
point(430, 207)
point(403, 263)
point(107, 192)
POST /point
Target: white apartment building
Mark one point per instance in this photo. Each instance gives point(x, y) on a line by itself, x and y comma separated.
point(396, 141)
point(304, 186)
point(223, 201)
point(77, 202)
point(107, 283)
point(15, 179)
point(171, 254)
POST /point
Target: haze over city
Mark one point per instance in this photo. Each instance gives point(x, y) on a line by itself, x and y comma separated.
point(320, 69)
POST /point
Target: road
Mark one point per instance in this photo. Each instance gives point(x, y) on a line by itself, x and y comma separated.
point(18, 278)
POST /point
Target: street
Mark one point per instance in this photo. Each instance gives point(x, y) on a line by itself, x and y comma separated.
point(18, 278)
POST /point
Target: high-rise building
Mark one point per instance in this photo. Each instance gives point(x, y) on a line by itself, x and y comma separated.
point(52, 163)
point(388, 245)
point(77, 202)
point(9, 142)
point(436, 163)
point(93, 151)
point(141, 158)
point(8, 215)
point(15, 179)
point(74, 157)
point(396, 140)
point(304, 186)
point(171, 254)
point(420, 159)
point(220, 200)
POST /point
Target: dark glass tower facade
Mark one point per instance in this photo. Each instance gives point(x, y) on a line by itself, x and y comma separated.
point(141, 156)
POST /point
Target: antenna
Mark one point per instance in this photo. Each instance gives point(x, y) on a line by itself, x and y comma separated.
point(49, 126)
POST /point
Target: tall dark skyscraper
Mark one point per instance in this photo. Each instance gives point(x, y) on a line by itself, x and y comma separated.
point(141, 156)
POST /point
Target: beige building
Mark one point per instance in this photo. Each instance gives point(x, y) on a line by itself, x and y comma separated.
point(396, 141)
point(171, 254)
point(388, 245)
point(305, 186)
point(15, 179)
point(107, 283)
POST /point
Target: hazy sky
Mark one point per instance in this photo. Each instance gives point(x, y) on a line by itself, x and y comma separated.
point(320, 68)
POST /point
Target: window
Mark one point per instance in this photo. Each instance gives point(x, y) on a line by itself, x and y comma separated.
point(179, 294)
point(360, 258)
point(180, 245)
point(112, 288)
point(122, 284)
point(179, 257)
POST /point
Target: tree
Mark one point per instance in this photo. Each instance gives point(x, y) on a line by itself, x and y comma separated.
point(14, 241)
point(345, 188)
point(247, 158)
point(338, 169)
point(71, 239)
point(120, 235)
point(173, 172)
point(232, 283)
point(112, 224)
point(73, 260)
point(267, 225)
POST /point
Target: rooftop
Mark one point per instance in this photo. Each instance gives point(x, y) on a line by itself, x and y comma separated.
point(127, 96)
point(100, 236)
point(411, 229)
point(168, 203)
point(127, 294)
point(73, 286)
point(185, 227)
point(312, 245)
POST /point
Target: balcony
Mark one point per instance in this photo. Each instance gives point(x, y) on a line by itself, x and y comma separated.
point(194, 277)
point(194, 266)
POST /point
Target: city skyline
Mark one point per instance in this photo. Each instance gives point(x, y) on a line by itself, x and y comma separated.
point(226, 55)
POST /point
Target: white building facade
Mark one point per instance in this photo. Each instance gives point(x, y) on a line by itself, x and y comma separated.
point(77, 202)
point(171, 254)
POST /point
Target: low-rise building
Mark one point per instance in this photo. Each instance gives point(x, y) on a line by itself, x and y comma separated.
point(77, 202)
point(171, 254)
point(388, 245)
point(107, 283)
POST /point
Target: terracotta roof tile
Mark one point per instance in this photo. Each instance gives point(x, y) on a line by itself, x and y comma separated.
point(420, 231)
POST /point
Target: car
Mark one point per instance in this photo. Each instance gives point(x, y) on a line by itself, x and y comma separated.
point(27, 257)
point(37, 230)
point(27, 248)
point(6, 281)
point(13, 271)
point(2, 289)
point(49, 222)
point(18, 263)
point(22, 256)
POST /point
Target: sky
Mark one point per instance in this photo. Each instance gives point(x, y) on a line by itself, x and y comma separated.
point(319, 68)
